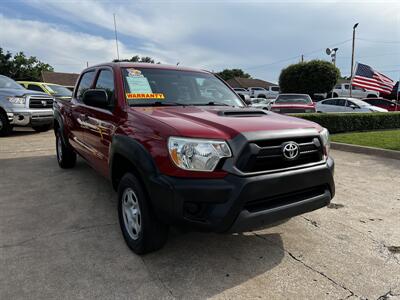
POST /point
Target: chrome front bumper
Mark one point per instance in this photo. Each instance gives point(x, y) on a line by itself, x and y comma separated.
point(30, 117)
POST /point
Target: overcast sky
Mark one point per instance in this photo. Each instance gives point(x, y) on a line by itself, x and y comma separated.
point(260, 37)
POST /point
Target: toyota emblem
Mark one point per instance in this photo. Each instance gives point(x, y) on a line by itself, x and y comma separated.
point(44, 102)
point(290, 150)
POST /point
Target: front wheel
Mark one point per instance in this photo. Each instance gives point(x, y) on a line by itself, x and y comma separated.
point(142, 232)
point(5, 127)
point(42, 128)
point(66, 157)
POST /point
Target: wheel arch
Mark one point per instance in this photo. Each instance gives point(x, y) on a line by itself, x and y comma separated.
point(129, 155)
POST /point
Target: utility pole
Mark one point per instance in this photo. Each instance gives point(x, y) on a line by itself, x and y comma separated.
point(302, 58)
point(352, 57)
point(116, 37)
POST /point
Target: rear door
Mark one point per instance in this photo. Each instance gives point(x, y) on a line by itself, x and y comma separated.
point(77, 114)
point(101, 123)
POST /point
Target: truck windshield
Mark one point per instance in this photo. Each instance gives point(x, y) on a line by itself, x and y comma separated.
point(148, 86)
point(59, 90)
point(302, 99)
point(8, 83)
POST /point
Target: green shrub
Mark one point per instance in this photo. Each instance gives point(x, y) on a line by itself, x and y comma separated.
point(346, 122)
point(315, 76)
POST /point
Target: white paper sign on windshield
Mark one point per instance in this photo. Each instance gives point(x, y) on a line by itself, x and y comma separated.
point(138, 84)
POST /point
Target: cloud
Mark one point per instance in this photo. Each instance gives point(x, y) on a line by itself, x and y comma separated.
point(259, 36)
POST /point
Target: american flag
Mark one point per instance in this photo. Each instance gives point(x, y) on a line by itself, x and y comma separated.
point(368, 78)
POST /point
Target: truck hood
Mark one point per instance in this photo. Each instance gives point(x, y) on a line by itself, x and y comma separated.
point(221, 122)
point(20, 92)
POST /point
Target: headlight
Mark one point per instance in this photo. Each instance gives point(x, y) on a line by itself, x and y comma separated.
point(197, 154)
point(16, 100)
point(326, 142)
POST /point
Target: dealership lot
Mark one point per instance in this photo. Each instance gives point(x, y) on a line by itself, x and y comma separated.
point(60, 238)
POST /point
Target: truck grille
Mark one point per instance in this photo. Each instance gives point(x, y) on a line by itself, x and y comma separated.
point(40, 103)
point(284, 199)
point(268, 155)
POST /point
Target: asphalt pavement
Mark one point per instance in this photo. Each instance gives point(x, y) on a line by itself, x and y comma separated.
point(60, 239)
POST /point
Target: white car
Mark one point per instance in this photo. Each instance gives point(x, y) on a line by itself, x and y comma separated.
point(262, 103)
point(258, 92)
point(242, 92)
point(343, 90)
point(346, 105)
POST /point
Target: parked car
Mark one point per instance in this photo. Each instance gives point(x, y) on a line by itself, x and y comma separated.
point(262, 103)
point(241, 91)
point(343, 90)
point(346, 105)
point(51, 89)
point(21, 107)
point(383, 103)
point(259, 92)
point(179, 157)
point(293, 103)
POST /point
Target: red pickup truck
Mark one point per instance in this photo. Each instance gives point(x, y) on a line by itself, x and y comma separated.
point(181, 148)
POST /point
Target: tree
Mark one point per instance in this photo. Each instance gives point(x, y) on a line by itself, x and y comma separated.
point(21, 67)
point(231, 73)
point(315, 76)
point(137, 58)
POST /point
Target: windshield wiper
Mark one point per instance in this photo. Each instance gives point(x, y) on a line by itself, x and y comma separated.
point(159, 103)
point(212, 103)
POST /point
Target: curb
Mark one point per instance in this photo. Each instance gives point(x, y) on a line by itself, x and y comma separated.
point(366, 150)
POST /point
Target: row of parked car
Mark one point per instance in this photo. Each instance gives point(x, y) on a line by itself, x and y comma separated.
point(302, 103)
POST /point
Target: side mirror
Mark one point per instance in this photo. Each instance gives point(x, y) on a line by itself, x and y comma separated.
point(352, 106)
point(392, 104)
point(246, 99)
point(96, 98)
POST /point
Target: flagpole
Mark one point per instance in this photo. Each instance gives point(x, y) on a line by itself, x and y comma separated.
point(397, 93)
point(352, 57)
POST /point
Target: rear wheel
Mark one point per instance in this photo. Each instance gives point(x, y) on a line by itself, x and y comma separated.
point(371, 96)
point(262, 96)
point(5, 126)
point(66, 157)
point(42, 128)
point(142, 231)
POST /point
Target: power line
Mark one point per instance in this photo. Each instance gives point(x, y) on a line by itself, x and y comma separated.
point(297, 56)
point(379, 42)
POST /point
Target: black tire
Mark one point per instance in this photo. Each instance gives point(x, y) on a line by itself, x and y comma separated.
point(66, 157)
point(42, 128)
point(262, 96)
point(334, 95)
point(152, 234)
point(5, 126)
point(371, 96)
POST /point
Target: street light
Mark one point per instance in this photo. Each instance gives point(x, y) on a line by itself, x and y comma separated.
point(352, 57)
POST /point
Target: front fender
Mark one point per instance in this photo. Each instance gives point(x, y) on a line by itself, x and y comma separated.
point(135, 153)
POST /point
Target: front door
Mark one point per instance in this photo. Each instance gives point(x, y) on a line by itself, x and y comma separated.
point(100, 123)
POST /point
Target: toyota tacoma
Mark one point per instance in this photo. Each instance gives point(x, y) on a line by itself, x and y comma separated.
point(179, 155)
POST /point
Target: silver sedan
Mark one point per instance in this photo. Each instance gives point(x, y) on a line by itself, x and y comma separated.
point(339, 105)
